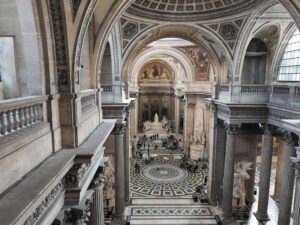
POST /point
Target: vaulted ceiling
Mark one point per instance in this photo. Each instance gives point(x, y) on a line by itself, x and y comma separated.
point(187, 10)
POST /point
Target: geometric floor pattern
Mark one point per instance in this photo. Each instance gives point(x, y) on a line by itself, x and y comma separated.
point(171, 211)
point(164, 179)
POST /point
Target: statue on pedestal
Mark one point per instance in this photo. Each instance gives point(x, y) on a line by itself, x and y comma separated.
point(156, 118)
point(240, 176)
point(198, 144)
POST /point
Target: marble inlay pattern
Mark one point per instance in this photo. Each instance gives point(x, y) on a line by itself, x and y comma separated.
point(190, 9)
point(164, 173)
point(149, 183)
point(171, 211)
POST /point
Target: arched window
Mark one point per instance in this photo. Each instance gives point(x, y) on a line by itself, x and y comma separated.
point(290, 63)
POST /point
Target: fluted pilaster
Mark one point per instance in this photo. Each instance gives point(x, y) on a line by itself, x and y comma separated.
point(286, 196)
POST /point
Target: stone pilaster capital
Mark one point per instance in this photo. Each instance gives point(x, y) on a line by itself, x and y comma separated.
point(290, 138)
point(191, 104)
point(98, 178)
point(119, 128)
point(232, 129)
point(269, 130)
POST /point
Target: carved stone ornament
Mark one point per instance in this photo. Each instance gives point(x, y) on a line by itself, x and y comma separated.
point(99, 177)
point(290, 138)
point(75, 175)
point(38, 212)
point(76, 216)
point(119, 129)
point(191, 105)
point(269, 130)
point(232, 129)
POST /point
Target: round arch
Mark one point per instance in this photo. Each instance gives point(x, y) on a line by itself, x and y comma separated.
point(131, 76)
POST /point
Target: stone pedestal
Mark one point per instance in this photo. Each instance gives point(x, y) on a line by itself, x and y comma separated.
point(197, 151)
point(264, 181)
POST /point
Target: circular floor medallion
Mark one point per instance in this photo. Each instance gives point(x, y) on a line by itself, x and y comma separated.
point(163, 173)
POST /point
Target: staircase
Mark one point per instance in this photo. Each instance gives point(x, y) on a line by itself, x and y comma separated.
point(169, 211)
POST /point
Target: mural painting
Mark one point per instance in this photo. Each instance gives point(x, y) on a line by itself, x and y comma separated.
point(200, 62)
point(155, 71)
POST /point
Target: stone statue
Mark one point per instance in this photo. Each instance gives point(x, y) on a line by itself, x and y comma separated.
point(164, 122)
point(156, 118)
point(240, 175)
point(109, 185)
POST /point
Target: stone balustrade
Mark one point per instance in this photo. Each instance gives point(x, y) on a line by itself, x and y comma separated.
point(286, 95)
point(20, 113)
point(107, 88)
point(255, 89)
point(224, 88)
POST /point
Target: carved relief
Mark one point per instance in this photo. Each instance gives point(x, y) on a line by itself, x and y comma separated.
point(129, 30)
point(228, 31)
point(61, 58)
point(38, 212)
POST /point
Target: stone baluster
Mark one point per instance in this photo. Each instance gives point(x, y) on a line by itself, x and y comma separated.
point(26, 116)
point(265, 173)
point(1, 123)
point(4, 123)
point(296, 163)
point(22, 117)
point(119, 174)
point(286, 196)
point(36, 113)
point(40, 108)
point(226, 216)
point(31, 114)
point(16, 119)
point(10, 121)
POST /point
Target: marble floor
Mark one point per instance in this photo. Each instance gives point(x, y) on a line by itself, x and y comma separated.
point(163, 177)
point(162, 191)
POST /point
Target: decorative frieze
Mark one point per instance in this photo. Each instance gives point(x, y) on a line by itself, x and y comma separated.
point(76, 174)
point(46, 203)
point(231, 129)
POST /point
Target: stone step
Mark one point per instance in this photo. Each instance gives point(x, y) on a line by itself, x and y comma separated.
point(171, 214)
point(164, 201)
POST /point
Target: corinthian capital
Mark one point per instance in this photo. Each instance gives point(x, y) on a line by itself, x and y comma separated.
point(232, 129)
point(119, 129)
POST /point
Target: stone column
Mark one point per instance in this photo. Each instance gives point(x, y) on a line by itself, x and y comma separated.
point(286, 196)
point(279, 171)
point(127, 163)
point(177, 114)
point(97, 208)
point(264, 180)
point(119, 174)
point(228, 174)
point(296, 162)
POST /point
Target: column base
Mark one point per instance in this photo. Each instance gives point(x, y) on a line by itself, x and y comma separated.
point(261, 217)
point(118, 221)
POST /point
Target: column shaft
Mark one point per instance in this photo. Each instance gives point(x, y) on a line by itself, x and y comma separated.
point(228, 178)
point(119, 174)
point(286, 196)
point(279, 170)
point(127, 164)
point(97, 212)
point(264, 180)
